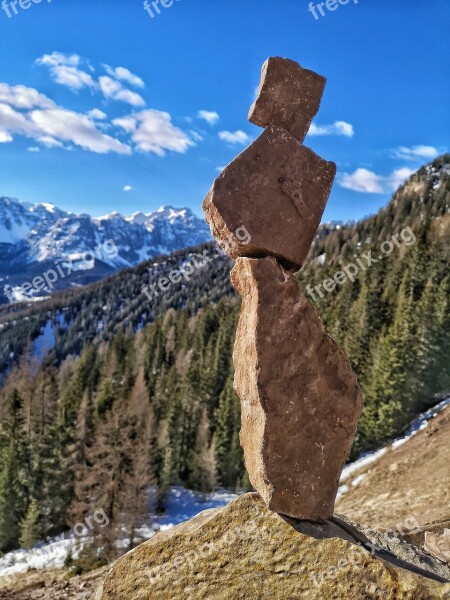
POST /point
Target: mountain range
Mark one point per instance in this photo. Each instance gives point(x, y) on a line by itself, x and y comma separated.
point(35, 238)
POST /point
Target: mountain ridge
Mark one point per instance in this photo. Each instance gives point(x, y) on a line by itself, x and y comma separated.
point(35, 237)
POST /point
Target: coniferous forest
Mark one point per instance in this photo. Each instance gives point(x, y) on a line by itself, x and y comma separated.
point(135, 393)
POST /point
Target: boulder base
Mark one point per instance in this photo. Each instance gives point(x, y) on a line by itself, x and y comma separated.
point(299, 396)
point(246, 551)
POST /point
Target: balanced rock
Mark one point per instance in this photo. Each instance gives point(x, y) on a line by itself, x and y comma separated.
point(277, 190)
point(299, 396)
point(288, 96)
point(246, 551)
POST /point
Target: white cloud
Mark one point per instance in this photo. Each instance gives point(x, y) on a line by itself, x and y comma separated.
point(210, 116)
point(23, 97)
point(97, 114)
point(5, 137)
point(337, 128)
point(113, 89)
point(416, 152)
point(12, 121)
point(57, 58)
point(398, 178)
point(73, 127)
point(153, 131)
point(236, 137)
point(220, 169)
point(53, 125)
point(127, 188)
point(65, 70)
point(128, 124)
point(195, 135)
point(33, 149)
point(125, 75)
point(363, 180)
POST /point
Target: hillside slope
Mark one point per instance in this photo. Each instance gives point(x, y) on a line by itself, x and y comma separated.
point(409, 480)
point(108, 391)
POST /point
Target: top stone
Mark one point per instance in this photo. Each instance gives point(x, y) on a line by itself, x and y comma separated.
point(288, 96)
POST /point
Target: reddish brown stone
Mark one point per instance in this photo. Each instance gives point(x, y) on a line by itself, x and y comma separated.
point(277, 190)
point(288, 96)
point(300, 398)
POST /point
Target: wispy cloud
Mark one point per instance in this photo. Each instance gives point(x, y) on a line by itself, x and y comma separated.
point(50, 124)
point(113, 89)
point(125, 75)
point(26, 112)
point(210, 116)
point(23, 97)
point(127, 188)
point(65, 70)
point(337, 128)
point(398, 178)
point(234, 137)
point(97, 114)
point(153, 131)
point(363, 180)
point(416, 152)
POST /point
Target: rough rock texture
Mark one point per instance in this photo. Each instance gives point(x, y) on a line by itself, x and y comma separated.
point(300, 398)
point(277, 190)
point(438, 545)
point(288, 96)
point(246, 551)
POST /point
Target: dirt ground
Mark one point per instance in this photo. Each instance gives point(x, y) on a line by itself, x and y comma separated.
point(410, 481)
point(50, 585)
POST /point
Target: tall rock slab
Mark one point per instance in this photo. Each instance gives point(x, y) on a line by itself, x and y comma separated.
point(300, 398)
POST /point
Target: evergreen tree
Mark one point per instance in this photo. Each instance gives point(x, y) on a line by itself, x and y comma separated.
point(15, 474)
point(30, 529)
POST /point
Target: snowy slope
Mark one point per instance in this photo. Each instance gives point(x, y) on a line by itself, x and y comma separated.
point(182, 504)
point(35, 237)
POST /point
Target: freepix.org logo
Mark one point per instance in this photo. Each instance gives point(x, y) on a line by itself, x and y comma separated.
point(62, 269)
point(317, 10)
point(10, 8)
point(153, 7)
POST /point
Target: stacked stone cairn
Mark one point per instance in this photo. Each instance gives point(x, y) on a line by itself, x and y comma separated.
point(299, 395)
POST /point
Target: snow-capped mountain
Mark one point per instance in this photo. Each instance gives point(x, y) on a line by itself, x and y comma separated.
point(35, 237)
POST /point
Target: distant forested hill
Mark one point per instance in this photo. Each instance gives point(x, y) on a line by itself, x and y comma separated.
point(135, 391)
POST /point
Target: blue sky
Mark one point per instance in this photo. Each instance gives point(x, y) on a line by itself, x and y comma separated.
point(384, 112)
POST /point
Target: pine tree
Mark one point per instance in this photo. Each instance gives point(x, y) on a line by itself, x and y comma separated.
point(15, 474)
point(30, 529)
point(203, 461)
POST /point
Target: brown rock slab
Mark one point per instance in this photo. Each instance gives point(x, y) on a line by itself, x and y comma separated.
point(246, 551)
point(277, 190)
point(300, 398)
point(288, 96)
